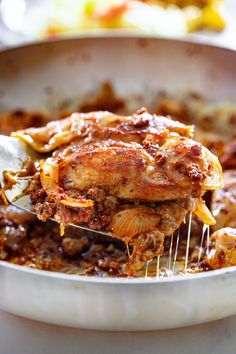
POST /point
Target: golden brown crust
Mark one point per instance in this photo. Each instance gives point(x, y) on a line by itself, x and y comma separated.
point(139, 127)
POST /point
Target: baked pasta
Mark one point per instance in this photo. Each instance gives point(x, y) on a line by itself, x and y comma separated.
point(134, 177)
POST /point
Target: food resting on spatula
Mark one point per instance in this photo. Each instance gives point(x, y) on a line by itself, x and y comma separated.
point(135, 177)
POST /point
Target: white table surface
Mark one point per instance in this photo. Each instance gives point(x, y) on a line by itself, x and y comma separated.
point(22, 336)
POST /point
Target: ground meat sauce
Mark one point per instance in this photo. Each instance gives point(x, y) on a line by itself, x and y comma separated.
point(39, 245)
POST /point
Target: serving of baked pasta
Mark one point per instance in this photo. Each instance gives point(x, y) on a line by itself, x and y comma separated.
point(135, 177)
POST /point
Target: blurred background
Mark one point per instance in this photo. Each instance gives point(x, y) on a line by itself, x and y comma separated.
point(32, 20)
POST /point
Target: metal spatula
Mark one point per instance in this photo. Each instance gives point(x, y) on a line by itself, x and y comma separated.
point(13, 153)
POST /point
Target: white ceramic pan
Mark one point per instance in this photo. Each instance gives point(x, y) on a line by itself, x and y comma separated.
point(41, 76)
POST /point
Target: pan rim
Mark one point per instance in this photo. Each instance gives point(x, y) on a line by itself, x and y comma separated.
point(118, 35)
point(85, 279)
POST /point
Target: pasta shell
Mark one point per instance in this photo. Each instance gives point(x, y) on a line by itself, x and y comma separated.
point(202, 211)
point(49, 175)
point(132, 222)
point(214, 180)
